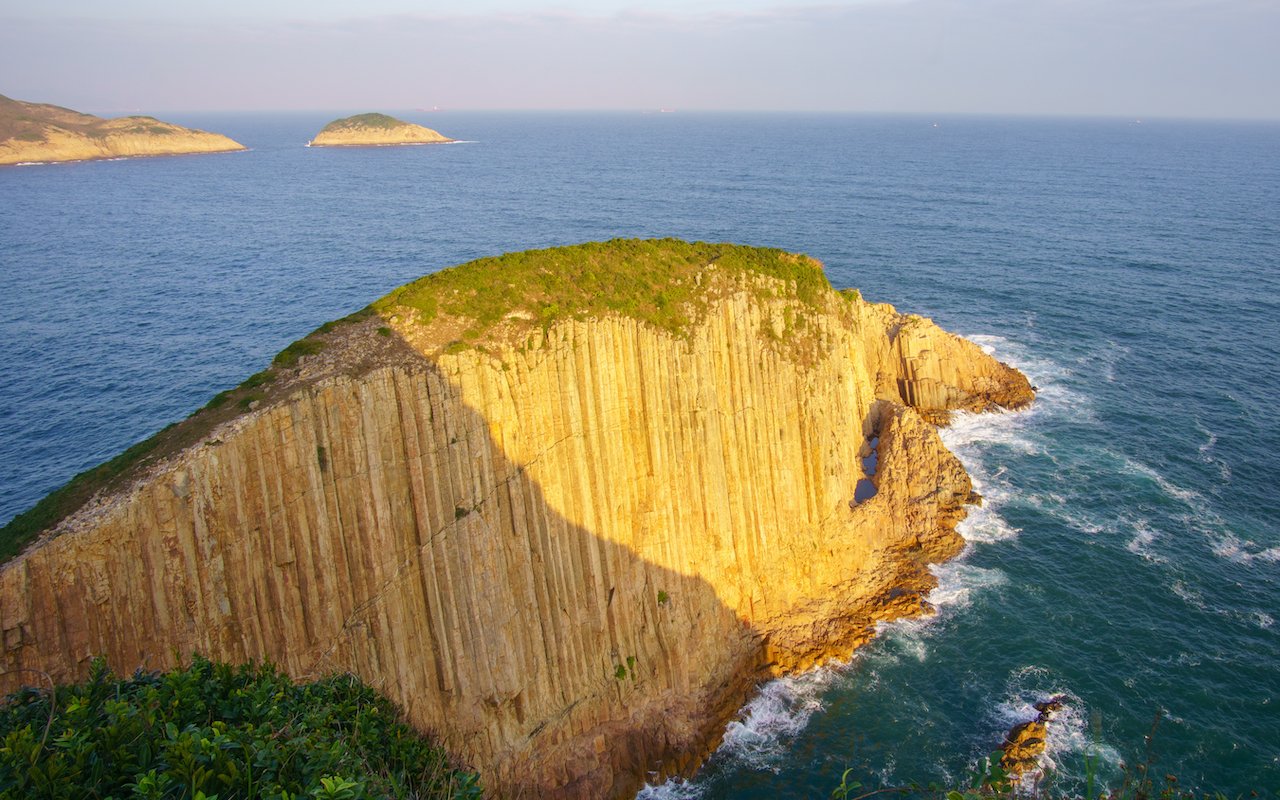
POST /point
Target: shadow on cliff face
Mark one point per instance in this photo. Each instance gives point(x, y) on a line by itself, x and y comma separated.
point(564, 664)
point(373, 525)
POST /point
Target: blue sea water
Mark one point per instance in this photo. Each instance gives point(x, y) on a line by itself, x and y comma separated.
point(1128, 553)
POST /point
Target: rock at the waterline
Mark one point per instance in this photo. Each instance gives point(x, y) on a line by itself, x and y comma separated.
point(1026, 742)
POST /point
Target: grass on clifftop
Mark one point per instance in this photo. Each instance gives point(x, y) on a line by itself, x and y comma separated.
point(212, 730)
point(666, 283)
point(363, 121)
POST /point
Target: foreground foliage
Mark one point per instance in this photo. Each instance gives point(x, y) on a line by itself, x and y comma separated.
point(217, 732)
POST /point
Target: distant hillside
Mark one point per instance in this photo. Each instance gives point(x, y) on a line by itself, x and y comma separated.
point(374, 129)
point(43, 132)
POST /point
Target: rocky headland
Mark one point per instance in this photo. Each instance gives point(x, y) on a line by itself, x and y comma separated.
point(365, 130)
point(568, 507)
point(37, 132)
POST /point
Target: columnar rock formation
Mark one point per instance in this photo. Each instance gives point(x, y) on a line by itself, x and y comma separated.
point(32, 132)
point(571, 555)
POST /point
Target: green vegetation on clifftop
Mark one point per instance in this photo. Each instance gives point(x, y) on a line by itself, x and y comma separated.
point(363, 121)
point(667, 283)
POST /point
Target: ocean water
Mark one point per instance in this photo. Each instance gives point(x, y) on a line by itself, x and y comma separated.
point(1128, 553)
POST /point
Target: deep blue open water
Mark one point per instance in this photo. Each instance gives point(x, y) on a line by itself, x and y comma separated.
point(1129, 551)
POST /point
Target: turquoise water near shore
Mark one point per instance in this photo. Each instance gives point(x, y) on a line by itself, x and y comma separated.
point(1129, 550)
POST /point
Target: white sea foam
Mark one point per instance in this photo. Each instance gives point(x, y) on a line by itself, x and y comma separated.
point(1190, 596)
point(1199, 516)
point(674, 789)
point(1132, 466)
point(958, 582)
point(1068, 732)
point(1143, 538)
point(1233, 548)
point(762, 735)
point(1110, 356)
point(1054, 394)
point(1208, 445)
point(1207, 456)
point(972, 432)
point(984, 525)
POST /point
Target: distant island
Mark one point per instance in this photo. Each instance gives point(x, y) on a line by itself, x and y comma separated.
point(34, 132)
point(364, 130)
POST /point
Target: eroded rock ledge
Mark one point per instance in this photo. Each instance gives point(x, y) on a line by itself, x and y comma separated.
point(33, 132)
point(572, 544)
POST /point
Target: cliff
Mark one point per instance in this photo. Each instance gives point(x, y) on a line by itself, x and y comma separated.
point(568, 540)
point(364, 130)
point(40, 132)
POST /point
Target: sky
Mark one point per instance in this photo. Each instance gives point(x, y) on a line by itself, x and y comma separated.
point(1126, 58)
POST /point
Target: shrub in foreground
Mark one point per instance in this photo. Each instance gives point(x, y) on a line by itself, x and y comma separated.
point(212, 730)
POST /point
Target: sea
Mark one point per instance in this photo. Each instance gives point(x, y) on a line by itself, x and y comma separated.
point(1127, 556)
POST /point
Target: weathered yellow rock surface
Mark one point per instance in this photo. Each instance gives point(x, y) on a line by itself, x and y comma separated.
point(364, 130)
point(31, 132)
point(1025, 744)
point(571, 560)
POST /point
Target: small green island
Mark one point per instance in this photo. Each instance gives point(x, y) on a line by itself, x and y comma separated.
point(366, 130)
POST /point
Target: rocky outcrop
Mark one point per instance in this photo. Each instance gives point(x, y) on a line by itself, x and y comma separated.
point(939, 373)
point(1024, 745)
point(31, 132)
point(571, 555)
point(364, 130)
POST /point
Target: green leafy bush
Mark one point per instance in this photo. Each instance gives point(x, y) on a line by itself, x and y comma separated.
point(258, 379)
point(215, 731)
point(289, 356)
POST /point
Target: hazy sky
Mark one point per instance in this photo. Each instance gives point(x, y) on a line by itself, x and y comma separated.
point(1133, 58)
